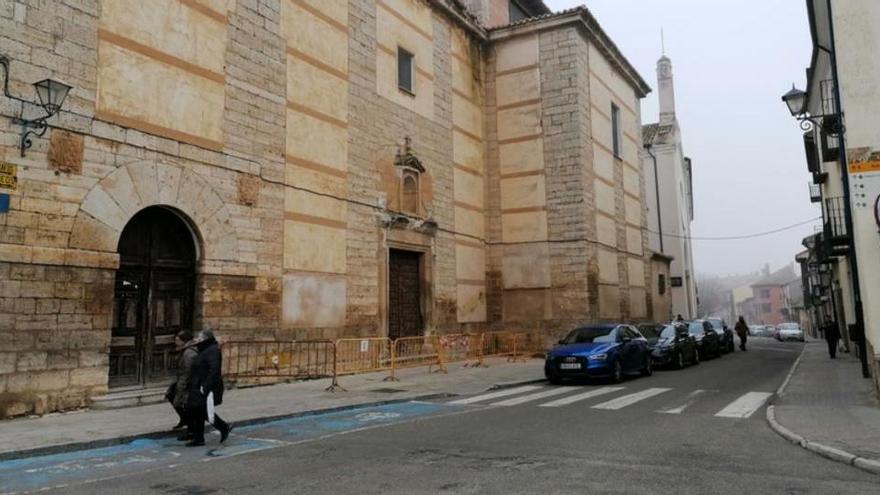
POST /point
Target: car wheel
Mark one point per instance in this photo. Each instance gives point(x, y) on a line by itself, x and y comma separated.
point(679, 360)
point(555, 380)
point(616, 372)
point(648, 370)
point(696, 356)
point(730, 347)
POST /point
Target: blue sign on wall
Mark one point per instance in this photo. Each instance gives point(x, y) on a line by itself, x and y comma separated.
point(4, 203)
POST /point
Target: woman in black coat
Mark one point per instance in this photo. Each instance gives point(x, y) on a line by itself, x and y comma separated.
point(206, 379)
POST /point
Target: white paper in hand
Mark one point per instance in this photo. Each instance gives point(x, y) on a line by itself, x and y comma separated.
point(210, 401)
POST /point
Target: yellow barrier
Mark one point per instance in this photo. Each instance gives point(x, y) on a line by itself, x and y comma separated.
point(460, 347)
point(409, 352)
point(365, 355)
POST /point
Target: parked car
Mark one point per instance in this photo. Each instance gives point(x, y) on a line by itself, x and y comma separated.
point(708, 343)
point(594, 351)
point(772, 331)
point(758, 331)
point(725, 334)
point(789, 331)
point(671, 344)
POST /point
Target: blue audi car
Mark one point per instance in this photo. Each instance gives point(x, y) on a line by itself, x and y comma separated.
point(606, 350)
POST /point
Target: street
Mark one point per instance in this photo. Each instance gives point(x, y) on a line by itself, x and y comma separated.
point(698, 430)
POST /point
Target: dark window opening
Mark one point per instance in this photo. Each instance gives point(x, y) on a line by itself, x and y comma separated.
point(661, 284)
point(766, 308)
point(410, 200)
point(405, 71)
point(676, 281)
point(765, 293)
point(516, 12)
point(615, 130)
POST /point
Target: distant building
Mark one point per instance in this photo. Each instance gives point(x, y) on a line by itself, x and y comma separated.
point(669, 195)
point(769, 304)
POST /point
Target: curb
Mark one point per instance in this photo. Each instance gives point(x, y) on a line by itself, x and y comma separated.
point(869, 465)
point(503, 385)
point(109, 442)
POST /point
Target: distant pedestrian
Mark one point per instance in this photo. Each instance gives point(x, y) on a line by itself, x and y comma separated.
point(679, 317)
point(832, 335)
point(177, 389)
point(185, 369)
point(742, 331)
point(205, 390)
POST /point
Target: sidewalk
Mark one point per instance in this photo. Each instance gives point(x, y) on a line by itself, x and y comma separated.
point(89, 428)
point(827, 407)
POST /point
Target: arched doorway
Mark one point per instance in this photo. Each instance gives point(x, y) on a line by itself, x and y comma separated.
point(153, 297)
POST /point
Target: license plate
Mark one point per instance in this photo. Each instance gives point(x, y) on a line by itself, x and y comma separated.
point(569, 366)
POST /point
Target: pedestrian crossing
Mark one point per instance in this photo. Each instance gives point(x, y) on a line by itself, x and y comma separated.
point(616, 398)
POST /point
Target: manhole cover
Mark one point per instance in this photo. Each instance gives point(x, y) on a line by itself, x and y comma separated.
point(388, 390)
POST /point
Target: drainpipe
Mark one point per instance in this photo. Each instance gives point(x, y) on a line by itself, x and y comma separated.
point(847, 207)
point(649, 149)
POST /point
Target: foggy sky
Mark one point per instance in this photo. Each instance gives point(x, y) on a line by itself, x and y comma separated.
point(732, 61)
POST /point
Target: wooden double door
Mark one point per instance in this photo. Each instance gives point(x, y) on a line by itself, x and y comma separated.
point(153, 298)
point(404, 294)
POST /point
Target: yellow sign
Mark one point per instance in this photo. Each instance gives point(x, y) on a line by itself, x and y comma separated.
point(864, 167)
point(8, 176)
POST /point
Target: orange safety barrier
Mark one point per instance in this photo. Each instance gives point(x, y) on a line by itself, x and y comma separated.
point(408, 352)
point(273, 360)
point(362, 355)
point(459, 347)
point(495, 344)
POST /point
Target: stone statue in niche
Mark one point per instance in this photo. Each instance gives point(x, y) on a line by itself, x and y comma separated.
point(410, 212)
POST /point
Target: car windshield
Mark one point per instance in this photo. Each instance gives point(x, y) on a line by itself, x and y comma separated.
point(589, 335)
point(696, 328)
point(789, 326)
point(716, 323)
point(668, 332)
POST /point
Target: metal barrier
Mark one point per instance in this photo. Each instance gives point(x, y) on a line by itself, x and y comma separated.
point(362, 355)
point(278, 359)
point(408, 352)
point(460, 347)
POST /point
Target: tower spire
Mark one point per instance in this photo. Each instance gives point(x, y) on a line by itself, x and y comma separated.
point(662, 42)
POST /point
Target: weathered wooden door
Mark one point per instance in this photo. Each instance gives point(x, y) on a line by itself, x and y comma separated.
point(404, 294)
point(153, 297)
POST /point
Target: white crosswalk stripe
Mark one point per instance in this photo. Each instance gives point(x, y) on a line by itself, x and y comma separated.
point(495, 395)
point(628, 400)
point(533, 397)
point(689, 401)
point(579, 397)
point(744, 406)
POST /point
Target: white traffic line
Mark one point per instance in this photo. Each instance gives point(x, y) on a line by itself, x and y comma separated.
point(628, 400)
point(691, 399)
point(533, 397)
point(495, 395)
point(745, 406)
point(579, 397)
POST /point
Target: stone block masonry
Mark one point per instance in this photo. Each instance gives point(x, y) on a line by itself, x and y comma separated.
point(291, 165)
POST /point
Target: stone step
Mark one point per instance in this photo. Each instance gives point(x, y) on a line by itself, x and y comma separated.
point(130, 398)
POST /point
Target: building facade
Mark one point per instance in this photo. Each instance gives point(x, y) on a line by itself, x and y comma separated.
point(308, 169)
point(669, 196)
point(770, 297)
point(843, 157)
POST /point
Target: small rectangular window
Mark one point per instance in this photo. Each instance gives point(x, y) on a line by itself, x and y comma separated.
point(615, 129)
point(661, 284)
point(766, 308)
point(405, 71)
point(765, 293)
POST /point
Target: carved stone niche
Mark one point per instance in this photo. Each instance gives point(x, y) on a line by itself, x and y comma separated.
point(412, 191)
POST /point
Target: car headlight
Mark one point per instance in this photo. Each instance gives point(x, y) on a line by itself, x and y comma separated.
point(598, 357)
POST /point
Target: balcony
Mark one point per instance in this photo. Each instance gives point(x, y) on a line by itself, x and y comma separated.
point(835, 233)
point(815, 192)
point(812, 154)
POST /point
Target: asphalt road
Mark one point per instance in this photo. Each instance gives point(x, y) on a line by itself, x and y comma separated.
point(698, 430)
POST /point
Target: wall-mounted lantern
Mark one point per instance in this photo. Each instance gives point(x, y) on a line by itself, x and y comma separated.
point(51, 93)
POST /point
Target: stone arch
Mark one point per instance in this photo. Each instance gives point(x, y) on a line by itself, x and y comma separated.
point(113, 201)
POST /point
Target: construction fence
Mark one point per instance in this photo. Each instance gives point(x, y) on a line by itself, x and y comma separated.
point(247, 363)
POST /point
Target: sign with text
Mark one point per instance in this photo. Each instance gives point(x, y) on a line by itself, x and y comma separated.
point(8, 176)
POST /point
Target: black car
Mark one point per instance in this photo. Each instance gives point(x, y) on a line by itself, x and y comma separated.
point(724, 332)
point(708, 342)
point(671, 344)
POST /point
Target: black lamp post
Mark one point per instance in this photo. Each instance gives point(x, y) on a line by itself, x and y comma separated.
point(51, 93)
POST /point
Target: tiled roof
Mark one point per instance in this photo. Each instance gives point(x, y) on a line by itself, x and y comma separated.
point(651, 133)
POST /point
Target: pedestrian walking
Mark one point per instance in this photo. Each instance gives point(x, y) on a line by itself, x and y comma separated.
point(185, 370)
point(742, 331)
point(679, 318)
point(205, 390)
point(832, 336)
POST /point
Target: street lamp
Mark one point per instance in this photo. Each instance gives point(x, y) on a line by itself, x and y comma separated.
point(796, 99)
point(51, 93)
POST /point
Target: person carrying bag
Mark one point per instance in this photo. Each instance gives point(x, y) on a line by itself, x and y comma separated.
point(205, 390)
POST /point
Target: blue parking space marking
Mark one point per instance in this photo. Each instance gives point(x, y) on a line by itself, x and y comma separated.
point(34, 473)
point(54, 470)
point(306, 427)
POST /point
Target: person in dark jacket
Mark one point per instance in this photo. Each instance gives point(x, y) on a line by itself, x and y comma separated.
point(176, 393)
point(185, 369)
point(205, 380)
point(832, 336)
point(742, 331)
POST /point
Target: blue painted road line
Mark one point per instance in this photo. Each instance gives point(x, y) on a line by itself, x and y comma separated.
point(53, 470)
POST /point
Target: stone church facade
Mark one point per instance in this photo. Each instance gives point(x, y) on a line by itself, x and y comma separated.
point(304, 169)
